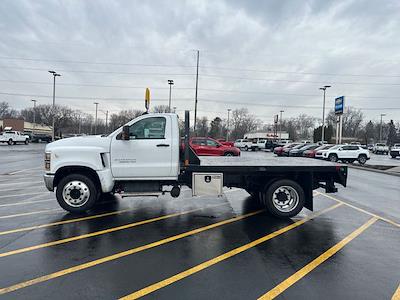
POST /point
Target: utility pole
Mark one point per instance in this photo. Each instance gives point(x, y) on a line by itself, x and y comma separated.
point(106, 122)
point(380, 131)
point(197, 86)
point(323, 113)
point(280, 126)
point(227, 129)
point(80, 124)
point(34, 112)
point(95, 118)
point(54, 100)
point(171, 83)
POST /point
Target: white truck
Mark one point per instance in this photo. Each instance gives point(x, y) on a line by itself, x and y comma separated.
point(13, 137)
point(380, 148)
point(395, 150)
point(145, 157)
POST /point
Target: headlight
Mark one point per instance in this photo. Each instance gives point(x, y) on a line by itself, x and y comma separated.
point(47, 158)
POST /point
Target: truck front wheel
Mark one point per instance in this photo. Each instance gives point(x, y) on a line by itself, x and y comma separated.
point(284, 198)
point(77, 193)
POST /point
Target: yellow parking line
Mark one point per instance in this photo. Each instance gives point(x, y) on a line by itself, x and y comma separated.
point(64, 222)
point(161, 284)
point(396, 295)
point(31, 213)
point(361, 210)
point(101, 232)
point(122, 254)
point(280, 288)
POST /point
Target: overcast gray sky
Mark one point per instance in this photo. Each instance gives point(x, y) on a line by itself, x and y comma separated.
point(263, 55)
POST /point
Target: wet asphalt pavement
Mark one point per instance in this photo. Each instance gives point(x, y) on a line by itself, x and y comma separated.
point(196, 248)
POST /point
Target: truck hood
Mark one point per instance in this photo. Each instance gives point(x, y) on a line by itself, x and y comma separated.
point(95, 141)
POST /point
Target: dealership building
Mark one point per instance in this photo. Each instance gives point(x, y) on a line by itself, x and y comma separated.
point(23, 126)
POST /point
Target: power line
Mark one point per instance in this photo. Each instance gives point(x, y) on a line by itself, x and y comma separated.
point(102, 72)
point(207, 76)
point(186, 99)
point(191, 88)
point(202, 67)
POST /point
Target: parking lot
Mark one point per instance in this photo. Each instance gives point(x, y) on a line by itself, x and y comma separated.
point(196, 248)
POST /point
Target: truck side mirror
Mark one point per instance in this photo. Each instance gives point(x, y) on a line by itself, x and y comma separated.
point(125, 133)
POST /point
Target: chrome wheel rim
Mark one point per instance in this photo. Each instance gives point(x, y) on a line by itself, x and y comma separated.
point(228, 154)
point(285, 198)
point(76, 193)
point(362, 160)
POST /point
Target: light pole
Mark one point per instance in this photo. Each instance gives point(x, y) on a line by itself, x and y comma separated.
point(323, 112)
point(171, 83)
point(227, 129)
point(280, 126)
point(380, 131)
point(34, 112)
point(95, 118)
point(54, 99)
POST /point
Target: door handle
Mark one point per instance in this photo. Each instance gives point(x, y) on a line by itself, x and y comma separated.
point(162, 145)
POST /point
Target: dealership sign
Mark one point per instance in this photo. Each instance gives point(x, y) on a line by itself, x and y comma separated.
point(339, 105)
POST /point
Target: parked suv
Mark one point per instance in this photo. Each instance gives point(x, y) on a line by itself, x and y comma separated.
point(380, 148)
point(209, 147)
point(347, 153)
point(395, 151)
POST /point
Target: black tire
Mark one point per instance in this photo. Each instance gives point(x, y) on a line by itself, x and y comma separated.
point(10, 142)
point(280, 187)
point(228, 154)
point(362, 159)
point(393, 156)
point(87, 203)
point(26, 142)
point(333, 157)
point(246, 148)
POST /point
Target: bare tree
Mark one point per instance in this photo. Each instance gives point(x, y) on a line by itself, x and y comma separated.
point(202, 127)
point(117, 120)
point(242, 122)
point(6, 111)
point(352, 121)
point(161, 109)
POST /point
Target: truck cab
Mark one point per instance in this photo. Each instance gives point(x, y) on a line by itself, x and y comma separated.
point(139, 157)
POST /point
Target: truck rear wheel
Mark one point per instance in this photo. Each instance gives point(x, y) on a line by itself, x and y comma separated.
point(77, 193)
point(284, 198)
point(10, 142)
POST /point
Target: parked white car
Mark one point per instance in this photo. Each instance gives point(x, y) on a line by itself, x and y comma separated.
point(380, 148)
point(347, 153)
point(13, 137)
point(395, 151)
point(325, 148)
point(243, 144)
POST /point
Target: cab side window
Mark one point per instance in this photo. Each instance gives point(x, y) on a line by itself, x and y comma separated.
point(149, 128)
point(212, 143)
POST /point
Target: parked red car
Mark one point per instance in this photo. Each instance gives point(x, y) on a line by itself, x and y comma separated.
point(225, 143)
point(280, 150)
point(203, 146)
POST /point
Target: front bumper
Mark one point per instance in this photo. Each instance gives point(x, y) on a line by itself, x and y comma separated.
point(48, 181)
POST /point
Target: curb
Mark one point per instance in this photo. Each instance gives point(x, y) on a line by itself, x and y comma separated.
point(374, 170)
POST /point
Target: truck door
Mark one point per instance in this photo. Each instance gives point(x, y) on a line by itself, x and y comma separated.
point(147, 153)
